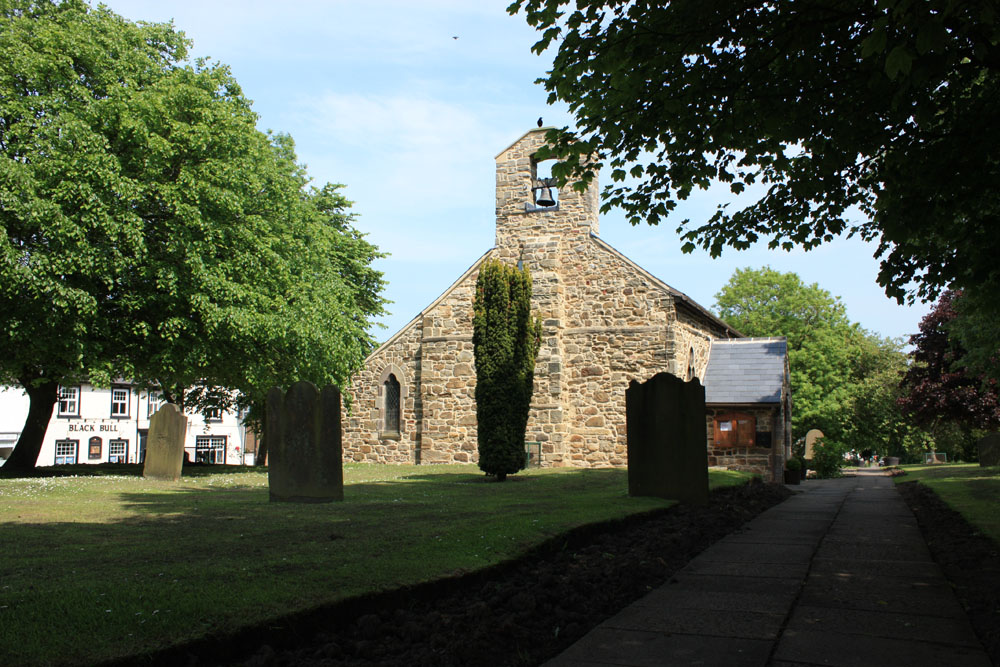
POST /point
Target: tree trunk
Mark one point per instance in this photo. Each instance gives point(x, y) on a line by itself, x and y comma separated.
point(42, 399)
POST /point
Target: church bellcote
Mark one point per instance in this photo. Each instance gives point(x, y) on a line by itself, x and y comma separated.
point(529, 206)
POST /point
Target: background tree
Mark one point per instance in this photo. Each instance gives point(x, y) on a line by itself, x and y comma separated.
point(506, 342)
point(152, 232)
point(940, 394)
point(827, 354)
point(873, 420)
point(974, 331)
point(887, 108)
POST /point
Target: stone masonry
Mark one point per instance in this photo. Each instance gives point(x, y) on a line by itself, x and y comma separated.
point(606, 322)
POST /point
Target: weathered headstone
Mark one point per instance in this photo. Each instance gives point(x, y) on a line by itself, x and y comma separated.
point(667, 452)
point(811, 437)
point(989, 450)
point(305, 455)
point(165, 444)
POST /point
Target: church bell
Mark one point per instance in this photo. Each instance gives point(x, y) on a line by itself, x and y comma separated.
point(545, 197)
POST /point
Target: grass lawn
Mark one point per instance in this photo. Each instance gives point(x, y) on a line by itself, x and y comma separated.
point(968, 488)
point(108, 564)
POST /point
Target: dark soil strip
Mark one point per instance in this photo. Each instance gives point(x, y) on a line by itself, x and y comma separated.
point(970, 561)
point(519, 613)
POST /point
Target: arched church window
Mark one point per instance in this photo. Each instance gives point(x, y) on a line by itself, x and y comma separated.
point(391, 394)
point(691, 372)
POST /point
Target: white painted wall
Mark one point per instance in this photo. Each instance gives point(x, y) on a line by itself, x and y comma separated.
point(13, 412)
point(94, 419)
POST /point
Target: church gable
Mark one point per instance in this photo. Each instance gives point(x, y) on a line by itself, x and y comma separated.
point(433, 353)
point(365, 436)
point(605, 321)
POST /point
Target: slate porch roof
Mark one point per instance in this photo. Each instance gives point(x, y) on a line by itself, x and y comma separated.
point(746, 370)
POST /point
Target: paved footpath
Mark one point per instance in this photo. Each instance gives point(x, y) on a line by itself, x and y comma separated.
point(836, 575)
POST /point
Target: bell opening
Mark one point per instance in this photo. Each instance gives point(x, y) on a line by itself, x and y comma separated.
point(544, 191)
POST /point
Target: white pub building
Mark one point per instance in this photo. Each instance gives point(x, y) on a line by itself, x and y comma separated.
point(91, 425)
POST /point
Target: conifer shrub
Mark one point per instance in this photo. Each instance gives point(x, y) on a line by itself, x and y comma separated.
point(506, 341)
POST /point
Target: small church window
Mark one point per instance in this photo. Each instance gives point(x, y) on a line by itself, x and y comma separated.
point(691, 373)
point(391, 404)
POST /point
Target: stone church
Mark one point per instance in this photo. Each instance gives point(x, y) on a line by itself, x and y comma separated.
point(606, 321)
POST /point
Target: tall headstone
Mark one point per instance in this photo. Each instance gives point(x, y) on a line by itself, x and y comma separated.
point(667, 454)
point(165, 444)
point(812, 436)
point(305, 455)
point(989, 450)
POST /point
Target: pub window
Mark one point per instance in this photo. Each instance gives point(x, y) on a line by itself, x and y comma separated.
point(391, 393)
point(735, 429)
point(118, 451)
point(210, 448)
point(119, 401)
point(94, 447)
point(155, 402)
point(66, 452)
point(69, 401)
point(213, 414)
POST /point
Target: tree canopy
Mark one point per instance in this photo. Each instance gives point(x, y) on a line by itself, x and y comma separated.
point(151, 232)
point(937, 388)
point(830, 106)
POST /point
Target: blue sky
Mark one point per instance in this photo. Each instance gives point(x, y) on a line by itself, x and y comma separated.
point(381, 97)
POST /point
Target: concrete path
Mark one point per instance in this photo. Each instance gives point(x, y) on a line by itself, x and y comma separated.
point(835, 575)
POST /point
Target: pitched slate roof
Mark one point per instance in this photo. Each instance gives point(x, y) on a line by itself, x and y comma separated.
point(746, 370)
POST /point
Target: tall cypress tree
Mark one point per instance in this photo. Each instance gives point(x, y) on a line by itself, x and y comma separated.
point(506, 342)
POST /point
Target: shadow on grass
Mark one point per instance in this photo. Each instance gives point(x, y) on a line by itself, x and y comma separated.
point(533, 476)
point(122, 470)
point(387, 497)
point(200, 547)
point(191, 521)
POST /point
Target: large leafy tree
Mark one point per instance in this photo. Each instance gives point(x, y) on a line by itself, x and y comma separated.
point(873, 420)
point(67, 232)
point(828, 355)
point(151, 231)
point(974, 329)
point(886, 107)
point(938, 389)
point(506, 342)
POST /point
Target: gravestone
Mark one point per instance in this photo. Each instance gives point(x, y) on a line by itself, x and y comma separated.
point(811, 437)
point(989, 450)
point(305, 455)
point(165, 444)
point(667, 452)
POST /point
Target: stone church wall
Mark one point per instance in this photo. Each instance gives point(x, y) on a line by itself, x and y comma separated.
point(363, 435)
point(763, 461)
point(605, 322)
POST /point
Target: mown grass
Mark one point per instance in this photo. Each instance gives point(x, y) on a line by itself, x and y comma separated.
point(969, 489)
point(109, 564)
